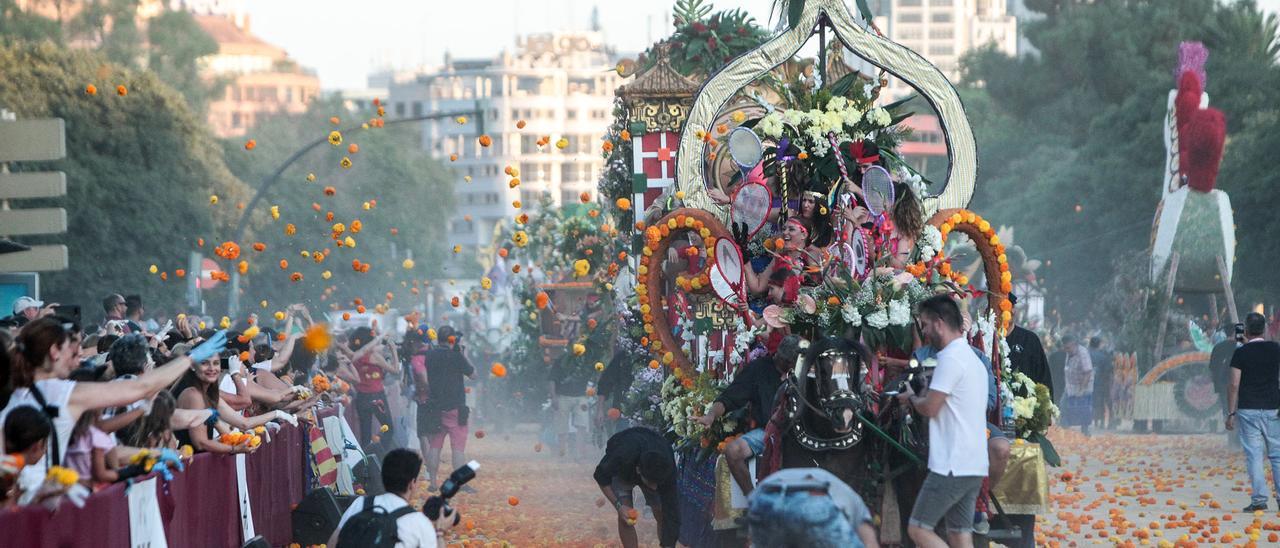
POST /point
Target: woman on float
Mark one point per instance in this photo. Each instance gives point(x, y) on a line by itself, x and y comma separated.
point(781, 279)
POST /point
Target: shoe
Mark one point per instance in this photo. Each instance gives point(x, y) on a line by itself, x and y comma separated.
point(981, 526)
point(1255, 507)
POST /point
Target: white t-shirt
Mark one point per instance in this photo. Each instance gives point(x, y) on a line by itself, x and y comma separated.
point(57, 393)
point(413, 529)
point(958, 433)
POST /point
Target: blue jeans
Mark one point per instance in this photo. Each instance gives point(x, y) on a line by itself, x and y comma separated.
point(1260, 436)
point(798, 518)
point(755, 440)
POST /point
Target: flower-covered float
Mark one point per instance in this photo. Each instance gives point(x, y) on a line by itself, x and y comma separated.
point(764, 195)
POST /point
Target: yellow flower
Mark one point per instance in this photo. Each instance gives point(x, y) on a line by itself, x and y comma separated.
point(350, 242)
point(311, 177)
point(486, 283)
point(326, 274)
point(279, 316)
point(407, 264)
point(345, 163)
point(579, 349)
point(457, 248)
point(561, 143)
point(581, 268)
point(335, 137)
point(520, 238)
point(461, 120)
point(225, 323)
point(738, 117)
point(213, 200)
point(599, 366)
point(275, 212)
point(339, 228)
point(154, 269)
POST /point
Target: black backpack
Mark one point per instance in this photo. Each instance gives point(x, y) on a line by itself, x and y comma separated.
point(372, 526)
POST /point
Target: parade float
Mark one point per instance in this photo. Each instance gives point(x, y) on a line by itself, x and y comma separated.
point(756, 193)
point(1192, 254)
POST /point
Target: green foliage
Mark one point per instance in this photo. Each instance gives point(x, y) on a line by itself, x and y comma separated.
point(688, 11)
point(1080, 125)
point(17, 25)
point(140, 169)
point(177, 43)
point(704, 46)
point(413, 195)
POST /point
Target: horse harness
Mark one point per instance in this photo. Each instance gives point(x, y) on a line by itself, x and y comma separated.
point(828, 406)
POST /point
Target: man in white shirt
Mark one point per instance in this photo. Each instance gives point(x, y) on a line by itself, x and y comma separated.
point(400, 470)
point(955, 403)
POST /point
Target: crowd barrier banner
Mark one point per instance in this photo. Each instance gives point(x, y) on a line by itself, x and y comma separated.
point(198, 508)
point(145, 527)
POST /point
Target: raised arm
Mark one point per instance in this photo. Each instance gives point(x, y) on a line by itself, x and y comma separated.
point(97, 395)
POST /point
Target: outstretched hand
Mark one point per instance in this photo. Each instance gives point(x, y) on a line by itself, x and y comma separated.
point(741, 235)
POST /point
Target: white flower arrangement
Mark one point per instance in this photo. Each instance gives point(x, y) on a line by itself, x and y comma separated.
point(929, 243)
point(899, 312)
point(838, 116)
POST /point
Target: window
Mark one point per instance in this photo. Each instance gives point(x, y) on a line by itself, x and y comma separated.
point(571, 114)
point(905, 3)
point(940, 2)
point(528, 144)
point(235, 119)
point(568, 171)
point(941, 49)
point(944, 33)
point(463, 227)
point(912, 32)
point(909, 17)
point(288, 94)
point(940, 17)
point(400, 109)
point(491, 197)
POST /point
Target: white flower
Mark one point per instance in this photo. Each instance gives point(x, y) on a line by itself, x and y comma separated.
point(837, 103)
point(770, 126)
point(899, 312)
point(792, 117)
point(878, 319)
point(851, 315)
point(879, 117)
point(832, 122)
point(851, 116)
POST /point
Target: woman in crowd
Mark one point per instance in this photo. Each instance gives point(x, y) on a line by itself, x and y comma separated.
point(156, 429)
point(44, 354)
point(199, 390)
point(364, 349)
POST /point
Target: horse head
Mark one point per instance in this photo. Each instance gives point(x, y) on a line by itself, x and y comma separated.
point(827, 397)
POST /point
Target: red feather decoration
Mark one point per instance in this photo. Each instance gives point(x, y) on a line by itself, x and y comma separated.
point(1185, 105)
point(1201, 145)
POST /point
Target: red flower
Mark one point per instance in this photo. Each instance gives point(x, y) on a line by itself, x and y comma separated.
point(711, 43)
point(699, 27)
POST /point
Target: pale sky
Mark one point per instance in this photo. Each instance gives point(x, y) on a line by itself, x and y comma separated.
point(344, 40)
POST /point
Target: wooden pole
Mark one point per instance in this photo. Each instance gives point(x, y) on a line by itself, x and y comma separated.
point(1226, 289)
point(1164, 307)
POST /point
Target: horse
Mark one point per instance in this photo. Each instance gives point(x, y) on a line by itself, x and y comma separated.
point(828, 421)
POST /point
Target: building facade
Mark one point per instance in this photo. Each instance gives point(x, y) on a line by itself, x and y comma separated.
point(560, 85)
point(942, 31)
point(260, 78)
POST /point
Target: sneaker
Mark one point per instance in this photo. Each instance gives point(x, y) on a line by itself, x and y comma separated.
point(1256, 506)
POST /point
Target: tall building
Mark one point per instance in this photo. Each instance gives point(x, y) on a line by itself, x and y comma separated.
point(261, 78)
point(942, 31)
point(559, 85)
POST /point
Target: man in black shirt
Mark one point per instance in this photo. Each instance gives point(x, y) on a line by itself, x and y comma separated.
point(1253, 398)
point(640, 457)
point(1026, 354)
point(446, 365)
point(569, 402)
point(755, 385)
point(1103, 370)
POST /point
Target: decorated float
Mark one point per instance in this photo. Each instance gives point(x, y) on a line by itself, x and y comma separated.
point(758, 193)
point(1192, 253)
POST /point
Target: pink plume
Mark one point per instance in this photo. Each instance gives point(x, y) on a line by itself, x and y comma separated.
point(1192, 57)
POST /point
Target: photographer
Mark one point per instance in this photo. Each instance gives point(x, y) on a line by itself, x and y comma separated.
point(445, 411)
point(1253, 399)
point(364, 525)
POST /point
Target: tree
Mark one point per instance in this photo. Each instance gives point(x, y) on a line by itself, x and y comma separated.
point(140, 170)
point(177, 44)
point(406, 191)
point(1070, 141)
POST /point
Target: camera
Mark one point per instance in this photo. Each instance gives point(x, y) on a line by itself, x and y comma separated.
point(437, 507)
point(1239, 333)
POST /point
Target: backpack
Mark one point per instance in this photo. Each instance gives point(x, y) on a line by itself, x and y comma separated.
point(372, 526)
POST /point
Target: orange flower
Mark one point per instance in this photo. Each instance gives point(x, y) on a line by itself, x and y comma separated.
point(180, 273)
point(623, 204)
point(243, 267)
point(330, 191)
point(513, 501)
point(503, 252)
point(250, 144)
point(541, 299)
point(121, 90)
point(614, 413)
point(290, 230)
point(353, 148)
point(594, 213)
point(317, 338)
point(91, 89)
point(498, 370)
point(515, 269)
point(200, 242)
point(455, 302)
point(520, 124)
point(485, 140)
point(356, 226)
point(296, 276)
point(228, 250)
point(355, 264)
point(259, 246)
point(833, 301)
point(584, 197)
point(607, 146)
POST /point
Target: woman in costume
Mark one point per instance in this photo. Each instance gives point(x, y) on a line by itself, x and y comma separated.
point(781, 279)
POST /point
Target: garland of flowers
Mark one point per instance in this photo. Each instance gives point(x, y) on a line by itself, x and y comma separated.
point(649, 283)
point(989, 247)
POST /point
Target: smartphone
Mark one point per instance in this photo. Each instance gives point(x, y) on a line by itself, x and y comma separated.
point(1239, 332)
point(69, 311)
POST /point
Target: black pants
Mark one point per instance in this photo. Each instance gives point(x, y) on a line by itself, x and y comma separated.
point(368, 406)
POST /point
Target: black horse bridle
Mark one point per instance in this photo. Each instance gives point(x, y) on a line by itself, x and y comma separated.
point(828, 407)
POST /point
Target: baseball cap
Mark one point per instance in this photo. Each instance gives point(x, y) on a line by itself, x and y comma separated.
point(24, 303)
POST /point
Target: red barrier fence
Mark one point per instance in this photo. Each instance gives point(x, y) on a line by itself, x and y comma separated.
point(199, 507)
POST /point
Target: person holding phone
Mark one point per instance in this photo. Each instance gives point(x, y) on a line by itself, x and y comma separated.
point(26, 309)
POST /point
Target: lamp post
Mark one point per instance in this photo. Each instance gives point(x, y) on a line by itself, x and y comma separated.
point(233, 300)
